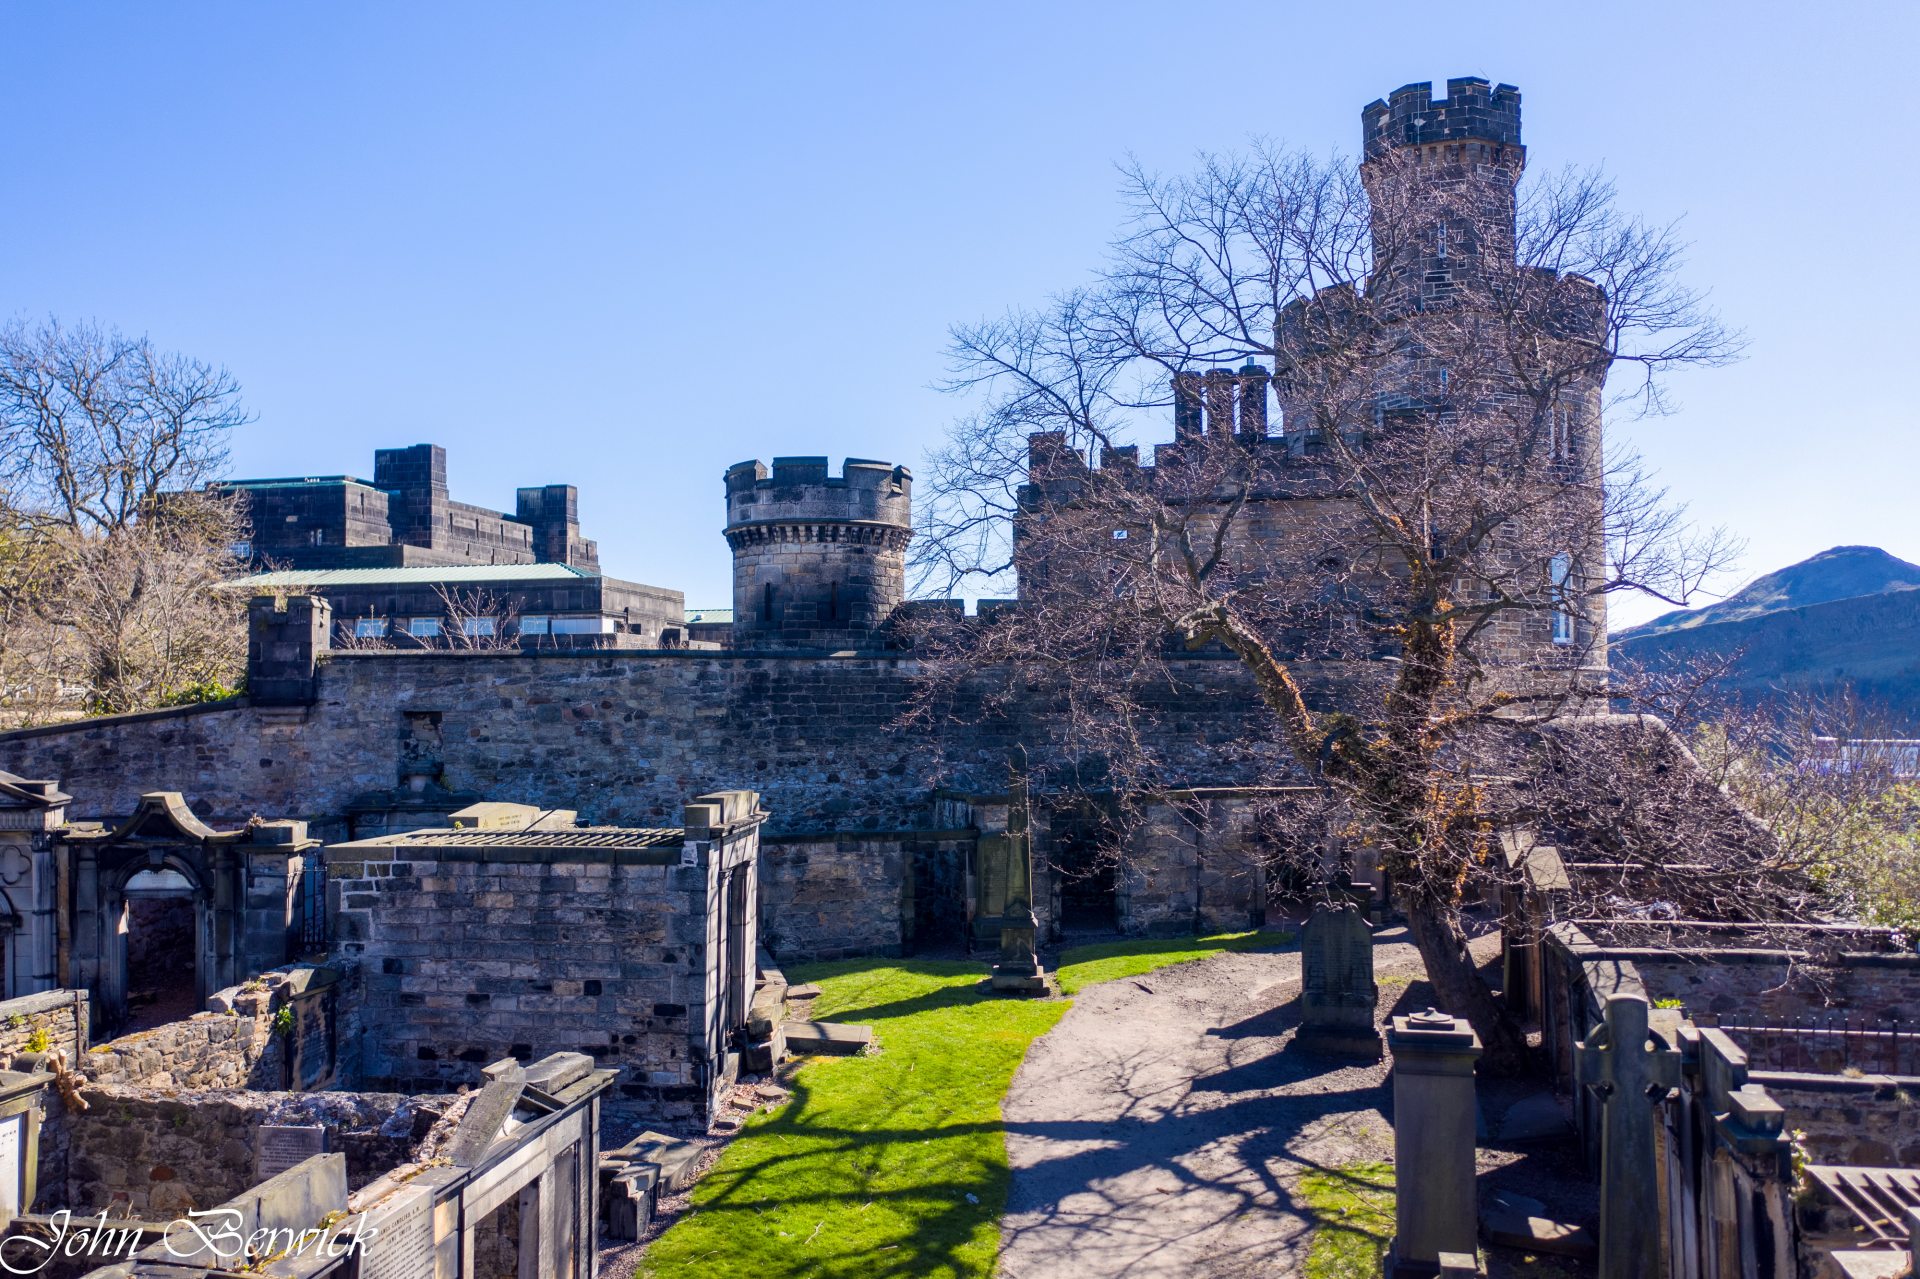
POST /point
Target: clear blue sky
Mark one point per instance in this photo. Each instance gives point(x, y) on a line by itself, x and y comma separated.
point(625, 245)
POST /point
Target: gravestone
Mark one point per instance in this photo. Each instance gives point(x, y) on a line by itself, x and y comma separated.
point(1337, 992)
point(1630, 1076)
point(12, 1152)
point(1365, 887)
point(278, 1147)
point(403, 1246)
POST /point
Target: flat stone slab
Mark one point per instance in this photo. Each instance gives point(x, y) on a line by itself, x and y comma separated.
point(1515, 1221)
point(806, 990)
point(551, 1074)
point(826, 1038)
point(484, 1118)
point(674, 1158)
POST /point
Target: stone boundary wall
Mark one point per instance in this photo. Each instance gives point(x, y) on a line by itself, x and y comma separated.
point(1744, 979)
point(621, 737)
point(156, 1153)
point(831, 897)
point(62, 1014)
point(1871, 1120)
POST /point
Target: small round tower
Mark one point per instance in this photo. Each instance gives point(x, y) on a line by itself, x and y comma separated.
point(819, 561)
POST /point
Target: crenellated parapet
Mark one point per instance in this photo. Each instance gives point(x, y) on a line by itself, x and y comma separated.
point(799, 489)
point(1412, 116)
point(819, 560)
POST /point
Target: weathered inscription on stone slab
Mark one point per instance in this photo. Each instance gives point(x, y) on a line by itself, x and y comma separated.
point(278, 1147)
point(12, 1129)
point(403, 1248)
point(1336, 955)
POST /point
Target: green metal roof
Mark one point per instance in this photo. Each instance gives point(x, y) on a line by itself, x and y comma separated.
point(321, 577)
point(716, 615)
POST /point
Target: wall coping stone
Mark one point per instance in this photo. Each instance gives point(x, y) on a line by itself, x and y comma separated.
point(88, 722)
point(1807, 1081)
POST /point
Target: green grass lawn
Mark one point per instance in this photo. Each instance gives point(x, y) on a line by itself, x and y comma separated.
point(892, 1164)
point(1352, 1210)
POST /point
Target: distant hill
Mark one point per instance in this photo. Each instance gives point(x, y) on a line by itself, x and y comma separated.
point(1845, 572)
point(1846, 617)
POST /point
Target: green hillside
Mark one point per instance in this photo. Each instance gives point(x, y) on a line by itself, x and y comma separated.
point(1798, 630)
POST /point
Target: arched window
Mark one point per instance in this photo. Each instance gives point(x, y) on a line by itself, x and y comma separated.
point(766, 602)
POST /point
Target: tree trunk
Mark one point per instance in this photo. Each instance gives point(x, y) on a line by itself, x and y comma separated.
point(1461, 990)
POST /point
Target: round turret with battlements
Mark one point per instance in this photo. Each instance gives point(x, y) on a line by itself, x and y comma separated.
point(819, 561)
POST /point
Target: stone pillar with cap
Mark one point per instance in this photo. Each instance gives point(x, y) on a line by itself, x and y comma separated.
point(1433, 1134)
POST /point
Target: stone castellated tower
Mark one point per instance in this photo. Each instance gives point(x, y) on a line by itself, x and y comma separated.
point(1458, 155)
point(819, 562)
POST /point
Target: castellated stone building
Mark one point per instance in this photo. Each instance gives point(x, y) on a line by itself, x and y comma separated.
point(863, 846)
point(390, 555)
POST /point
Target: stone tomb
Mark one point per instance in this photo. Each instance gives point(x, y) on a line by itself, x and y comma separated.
point(522, 1197)
point(1338, 994)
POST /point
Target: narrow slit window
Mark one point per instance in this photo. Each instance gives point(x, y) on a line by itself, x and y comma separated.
point(1560, 576)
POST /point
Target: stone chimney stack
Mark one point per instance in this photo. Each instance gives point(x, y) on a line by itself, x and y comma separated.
point(1253, 402)
point(1220, 403)
point(1186, 406)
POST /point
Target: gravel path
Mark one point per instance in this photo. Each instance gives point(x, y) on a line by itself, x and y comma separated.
point(1158, 1129)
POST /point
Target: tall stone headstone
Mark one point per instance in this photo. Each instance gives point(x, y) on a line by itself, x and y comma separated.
point(1018, 970)
point(1338, 994)
point(1433, 1213)
point(1630, 1073)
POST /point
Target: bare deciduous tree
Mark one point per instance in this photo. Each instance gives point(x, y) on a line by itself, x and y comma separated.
point(109, 599)
point(1435, 530)
point(143, 616)
point(95, 425)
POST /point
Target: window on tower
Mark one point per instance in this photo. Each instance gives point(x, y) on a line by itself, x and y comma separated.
point(1560, 577)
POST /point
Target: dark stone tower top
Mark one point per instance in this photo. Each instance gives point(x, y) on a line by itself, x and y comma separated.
point(799, 489)
point(819, 560)
point(1412, 116)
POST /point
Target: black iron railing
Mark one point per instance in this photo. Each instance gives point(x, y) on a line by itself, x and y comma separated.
point(1826, 1044)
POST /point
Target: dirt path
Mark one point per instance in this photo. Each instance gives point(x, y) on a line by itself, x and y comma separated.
point(1159, 1128)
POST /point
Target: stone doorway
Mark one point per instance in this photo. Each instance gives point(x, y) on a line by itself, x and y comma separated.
point(1084, 857)
point(161, 927)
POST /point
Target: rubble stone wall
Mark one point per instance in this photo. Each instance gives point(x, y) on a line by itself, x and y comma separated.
point(156, 1153)
point(206, 1050)
point(1866, 1120)
point(61, 1014)
point(250, 1038)
point(1733, 984)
